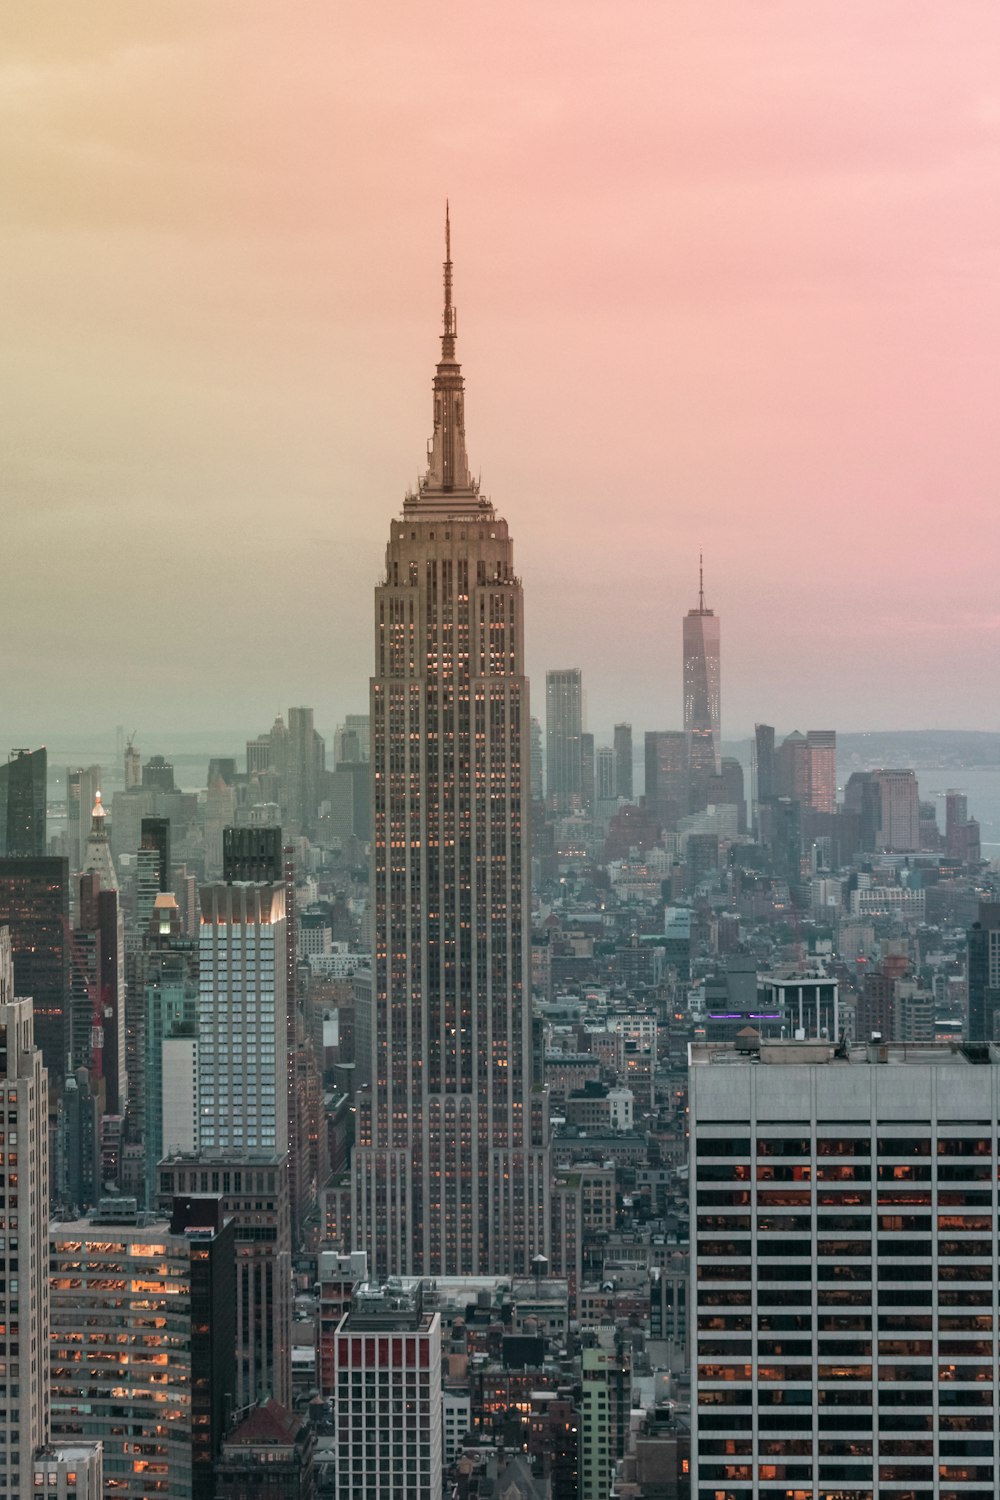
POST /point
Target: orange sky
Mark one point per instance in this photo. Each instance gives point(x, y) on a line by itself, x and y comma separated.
point(727, 274)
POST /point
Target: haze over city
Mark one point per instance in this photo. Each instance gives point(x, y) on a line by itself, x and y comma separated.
point(726, 279)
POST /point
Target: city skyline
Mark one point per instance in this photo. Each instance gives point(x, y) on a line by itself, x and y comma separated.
point(796, 260)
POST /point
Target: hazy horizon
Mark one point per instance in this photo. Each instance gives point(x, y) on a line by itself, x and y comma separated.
point(726, 277)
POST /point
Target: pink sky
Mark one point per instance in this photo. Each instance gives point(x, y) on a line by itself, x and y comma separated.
point(727, 274)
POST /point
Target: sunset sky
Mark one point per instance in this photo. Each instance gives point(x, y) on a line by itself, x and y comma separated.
point(727, 276)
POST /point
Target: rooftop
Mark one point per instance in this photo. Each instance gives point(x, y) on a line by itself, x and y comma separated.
point(815, 1053)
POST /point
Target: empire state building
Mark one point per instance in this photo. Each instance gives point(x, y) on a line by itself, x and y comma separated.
point(450, 1169)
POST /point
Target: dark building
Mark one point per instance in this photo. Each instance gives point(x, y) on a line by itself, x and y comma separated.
point(252, 854)
point(984, 973)
point(23, 794)
point(155, 835)
point(764, 760)
point(222, 768)
point(158, 773)
point(211, 1236)
point(623, 761)
point(269, 1456)
point(100, 922)
point(666, 774)
point(34, 904)
point(587, 769)
point(80, 1186)
point(726, 790)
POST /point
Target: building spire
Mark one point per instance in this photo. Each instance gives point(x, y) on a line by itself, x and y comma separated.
point(448, 479)
point(701, 583)
point(450, 317)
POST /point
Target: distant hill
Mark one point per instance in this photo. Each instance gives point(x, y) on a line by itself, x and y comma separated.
point(932, 748)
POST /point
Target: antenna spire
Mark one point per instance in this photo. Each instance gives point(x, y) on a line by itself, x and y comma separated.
point(450, 319)
point(701, 583)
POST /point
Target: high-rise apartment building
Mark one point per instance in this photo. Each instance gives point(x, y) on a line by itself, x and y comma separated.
point(387, 1396)
point(23, 798)
point(242, 1085)
point(843, 1204)
point(623, 761)
point(24, 1188)
point(564, 739)
point(702, 687)
point(450, 1170)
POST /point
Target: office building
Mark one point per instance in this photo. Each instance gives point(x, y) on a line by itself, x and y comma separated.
point(352, 740)
point(984, 974)
point(623, 761)
point(667, 793)
point(702, 687)
point(564, 739)
point(34, 904)
point(253, 853)
point(822, 748)
point(387, 1405)
point(23, 800)
point(82, 785)
point(898, 810)
point(304, 771)
point(844, 1212)
point(24, 1188)
point(537, 762)
point(450, 1169)
point(170, 1040)
point(149, 1375)
point(763, 739)
point(253, 1186)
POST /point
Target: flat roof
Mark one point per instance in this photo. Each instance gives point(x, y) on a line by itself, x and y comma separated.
point(816, 1053)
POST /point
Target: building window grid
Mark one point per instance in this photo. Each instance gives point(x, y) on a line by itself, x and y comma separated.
point(952, 1142)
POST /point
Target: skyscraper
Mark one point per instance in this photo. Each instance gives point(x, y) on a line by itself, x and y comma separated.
point(242, 1086)
point(844, 1273)
point(450, 1171)
point(22, 803)
point(34, 903)
point(702, 711)
point(984, 973)
point(24, 1184)
point(822, 745)
point(564, 739)
point(623, 761)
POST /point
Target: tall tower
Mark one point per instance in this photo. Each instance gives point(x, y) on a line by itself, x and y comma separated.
point(564, 739)
point(24, 1181)
point(702, 714)
point(450, 1170)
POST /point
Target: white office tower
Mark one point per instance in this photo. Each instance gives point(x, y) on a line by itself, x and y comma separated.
point(387, 1396)
point(24, 1244)
point(845, 1271)
point(242, 1086)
